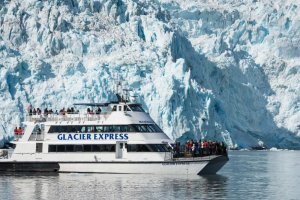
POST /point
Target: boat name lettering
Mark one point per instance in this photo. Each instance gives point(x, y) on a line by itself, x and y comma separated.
point(145, 122)
point(176, 163)
point(88, 136)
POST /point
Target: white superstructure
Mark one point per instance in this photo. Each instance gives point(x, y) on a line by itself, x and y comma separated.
point(122, 138)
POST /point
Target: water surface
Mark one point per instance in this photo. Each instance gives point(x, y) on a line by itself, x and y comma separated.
point(248, 175)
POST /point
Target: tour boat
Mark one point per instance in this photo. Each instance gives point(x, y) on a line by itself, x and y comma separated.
point(119, 138)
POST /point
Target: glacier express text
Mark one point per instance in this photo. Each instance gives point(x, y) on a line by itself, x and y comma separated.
point(89, 136)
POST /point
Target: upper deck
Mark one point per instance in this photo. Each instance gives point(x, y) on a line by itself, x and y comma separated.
point(67, 117)
point(116, 110)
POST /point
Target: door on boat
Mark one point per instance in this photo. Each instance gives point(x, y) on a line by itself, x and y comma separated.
point(121, 149)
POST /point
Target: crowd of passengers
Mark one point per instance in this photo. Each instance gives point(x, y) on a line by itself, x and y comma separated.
point(37, 111)
point(199, 148)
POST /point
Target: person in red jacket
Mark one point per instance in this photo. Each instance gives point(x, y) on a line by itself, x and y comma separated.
point(19, 131)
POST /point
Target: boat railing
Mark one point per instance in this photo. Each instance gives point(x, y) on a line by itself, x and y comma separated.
point(67, 117)
point(17, 137)
point(197, 155)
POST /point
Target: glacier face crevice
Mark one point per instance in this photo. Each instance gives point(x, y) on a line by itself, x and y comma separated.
point(225, 70)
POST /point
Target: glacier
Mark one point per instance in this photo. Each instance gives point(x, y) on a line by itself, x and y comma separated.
point(211, 69)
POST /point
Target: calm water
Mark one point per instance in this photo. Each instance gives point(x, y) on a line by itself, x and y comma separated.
point(248, 175)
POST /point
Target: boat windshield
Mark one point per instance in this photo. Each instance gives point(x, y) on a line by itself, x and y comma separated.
point(136, 108)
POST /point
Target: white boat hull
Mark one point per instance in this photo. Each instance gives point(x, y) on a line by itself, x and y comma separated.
point(134, 168)
point(201, 166)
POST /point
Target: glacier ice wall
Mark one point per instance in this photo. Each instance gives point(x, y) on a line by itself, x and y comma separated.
point(226, 70)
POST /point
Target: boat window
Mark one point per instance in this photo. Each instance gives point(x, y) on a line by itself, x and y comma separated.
point(120, 108)
point(117, 128)
point(137, 128)
point(111, 128)
point(147, 148)
point(138, 148)
point(69, 148)
point(61, 148)
point(78, 148)
point(99, 129)
point(108, 128)
point(136, 108)
point(52, 148)
point(90, 129)
point(157, 129)
point(95, 148)
point(108, 148)
point(39, 147)
point(151, 127)
point(159, 147)
point(126, 128)
point(87, 148)
point(70, 129)
point(54, 129)
point(144, 128)
point(83, 129)
point(126, 108)
point(82, 148)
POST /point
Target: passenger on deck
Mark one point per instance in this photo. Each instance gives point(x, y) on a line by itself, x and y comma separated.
point(62, 111)
point(187, 146)
point(38, 111)
point(29, 108)
point(34, 111)
point(98, 112)
point(88, 110)
point(19, 131)
point(72, 111)
point(196, 147)
point(205, 147)
point(193, 150)
point(190, 146)
point(68, 110)
point(30, 112)
point(200, 147)
point(46, 111)
point(177, 149)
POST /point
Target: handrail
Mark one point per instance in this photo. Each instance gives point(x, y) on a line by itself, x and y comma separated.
point(66, 117)
point(17, 137)
point(186, 154)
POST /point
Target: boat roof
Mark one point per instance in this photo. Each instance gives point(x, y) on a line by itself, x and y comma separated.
point(102, 104)
point(120, 98)
point(92, 104)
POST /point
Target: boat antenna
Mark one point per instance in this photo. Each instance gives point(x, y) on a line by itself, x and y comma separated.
point(126, 91)
point(116, 85)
